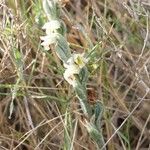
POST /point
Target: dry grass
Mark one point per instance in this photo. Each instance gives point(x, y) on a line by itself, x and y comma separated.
point(33, 79)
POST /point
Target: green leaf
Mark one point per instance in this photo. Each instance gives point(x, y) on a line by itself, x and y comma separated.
point(98, 112)
point(95, 134)
point(83, 75)
point(62, 48)
point(67, 131)
point(82, 96)
point(14, 95)
point(51, 9)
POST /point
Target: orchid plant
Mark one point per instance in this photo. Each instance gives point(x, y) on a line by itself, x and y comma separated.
point(76, 71)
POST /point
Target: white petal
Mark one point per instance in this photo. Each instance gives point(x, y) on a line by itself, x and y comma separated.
point(80, 60)
point(69, 62)
point(48, 40)
point(69, 77)
point(46, 45)
point(51, 26)
point(76, 60)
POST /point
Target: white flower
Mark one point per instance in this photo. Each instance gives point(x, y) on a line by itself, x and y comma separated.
point(73, 66)
point(51, 26)
point(48, 40)
point(69, 75)
point(80, 60)
point(77, 59)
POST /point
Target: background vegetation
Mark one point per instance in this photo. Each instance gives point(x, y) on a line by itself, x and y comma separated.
point(35, 100)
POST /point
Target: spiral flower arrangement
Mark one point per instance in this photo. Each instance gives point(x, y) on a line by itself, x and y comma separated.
point(76, 71)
